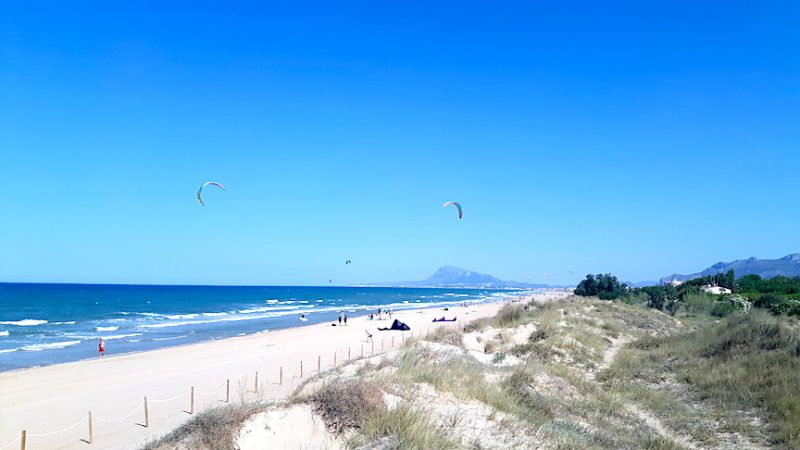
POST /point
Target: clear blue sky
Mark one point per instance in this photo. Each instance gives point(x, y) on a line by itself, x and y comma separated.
point(638, 138)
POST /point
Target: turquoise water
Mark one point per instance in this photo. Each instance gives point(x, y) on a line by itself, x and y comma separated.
point(44, 324)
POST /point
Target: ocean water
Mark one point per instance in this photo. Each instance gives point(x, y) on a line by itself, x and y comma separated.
point(43, 324)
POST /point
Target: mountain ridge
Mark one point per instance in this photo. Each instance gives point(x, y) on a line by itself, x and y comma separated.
point(788, 266)
point(456, 277)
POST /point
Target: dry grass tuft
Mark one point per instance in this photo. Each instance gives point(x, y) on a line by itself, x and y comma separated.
point(345, 406)
point(447, 335)
point(215, 429)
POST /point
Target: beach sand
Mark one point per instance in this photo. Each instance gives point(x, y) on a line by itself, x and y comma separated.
point(48, 399)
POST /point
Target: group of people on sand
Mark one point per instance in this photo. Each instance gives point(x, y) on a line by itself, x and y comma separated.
point(379, 315)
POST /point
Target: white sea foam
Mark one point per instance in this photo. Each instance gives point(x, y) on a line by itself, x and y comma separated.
point(120, 336)
point(215, 314)
point(9, 350)
point(71, 322)
point(272, 302)
point(49, 346)
point(181, 316)
point(169, 338)
point(226, 318)
point(24, 322)
point(272, 308)
point(4, 333)
point(107, 328)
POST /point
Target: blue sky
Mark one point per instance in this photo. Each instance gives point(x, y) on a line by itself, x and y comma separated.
point(638, 138)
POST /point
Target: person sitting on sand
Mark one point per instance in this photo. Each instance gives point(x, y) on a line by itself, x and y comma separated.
point(101, 347)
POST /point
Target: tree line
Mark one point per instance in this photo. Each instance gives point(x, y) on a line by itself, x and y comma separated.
point(780, 294)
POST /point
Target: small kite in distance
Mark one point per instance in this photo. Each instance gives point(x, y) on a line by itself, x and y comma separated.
point(347, 262)
point(458, 207)
point(200, 191)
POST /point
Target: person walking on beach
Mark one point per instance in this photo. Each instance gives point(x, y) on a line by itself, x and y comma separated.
point(101, 347)
point(344, 316)
point(341, 313)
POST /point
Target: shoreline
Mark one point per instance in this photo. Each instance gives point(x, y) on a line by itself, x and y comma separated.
point(359, 314)
point(49, 398)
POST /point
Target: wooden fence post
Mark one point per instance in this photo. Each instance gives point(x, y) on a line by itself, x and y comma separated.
point(334, 359)
point(392, 341)
point(373, 347)
point(23, 440)
point(146, 414)
point(256, 381)
point(348, 353)
point(91, 433)
point(301, 369)
point(280, 377)
point(319, 363)
point(191, 404)
point(362, 350)
point(228, 390)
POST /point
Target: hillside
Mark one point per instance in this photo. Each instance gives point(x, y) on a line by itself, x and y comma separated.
point(788, 266)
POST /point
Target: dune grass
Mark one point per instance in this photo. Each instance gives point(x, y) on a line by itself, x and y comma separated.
point(214, 429)
point(747, 361)
point(408, 428)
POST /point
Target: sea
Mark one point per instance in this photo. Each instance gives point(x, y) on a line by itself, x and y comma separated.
point(43, 324)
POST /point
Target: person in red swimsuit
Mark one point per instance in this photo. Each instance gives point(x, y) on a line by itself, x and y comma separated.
point(101, 347)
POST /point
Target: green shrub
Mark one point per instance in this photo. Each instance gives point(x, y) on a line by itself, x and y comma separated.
point(788, 308)
point(767, 300)
point(604, 286)
point(721, 309)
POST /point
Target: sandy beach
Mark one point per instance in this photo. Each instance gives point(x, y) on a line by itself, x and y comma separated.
point(45, 400)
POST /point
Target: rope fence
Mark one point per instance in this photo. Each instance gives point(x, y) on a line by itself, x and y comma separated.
point(353, 353)
point(121, 419)
point(7, 444)
point(63, 430)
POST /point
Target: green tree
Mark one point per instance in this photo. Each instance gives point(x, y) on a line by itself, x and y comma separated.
point(604, 286)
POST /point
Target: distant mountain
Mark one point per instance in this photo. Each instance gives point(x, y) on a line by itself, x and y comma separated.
point(449, 276)
point(788, 266)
